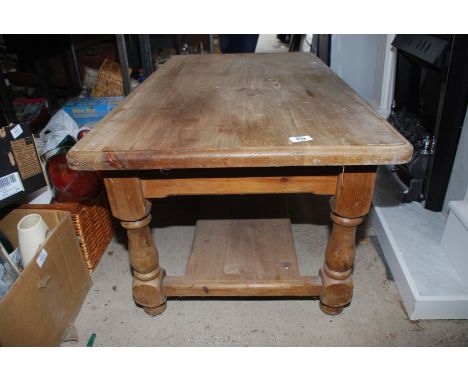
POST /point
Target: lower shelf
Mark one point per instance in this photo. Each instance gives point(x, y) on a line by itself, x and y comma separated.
point(244, 257)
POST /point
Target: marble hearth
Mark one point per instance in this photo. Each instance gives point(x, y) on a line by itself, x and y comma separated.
point(410, 239)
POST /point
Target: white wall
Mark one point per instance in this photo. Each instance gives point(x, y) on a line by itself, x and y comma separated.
point(367, 64)
point(459, 178)
point(353, 58)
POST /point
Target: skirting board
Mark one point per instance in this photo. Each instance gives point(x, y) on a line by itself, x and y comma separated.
point(417, 306)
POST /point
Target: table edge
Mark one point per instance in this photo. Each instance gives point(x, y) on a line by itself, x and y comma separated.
point(244, 157)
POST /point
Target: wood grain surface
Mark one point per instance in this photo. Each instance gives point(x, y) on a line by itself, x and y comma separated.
point(239, 110)
point(243, 257)
point(243, 249)
point(319, 185)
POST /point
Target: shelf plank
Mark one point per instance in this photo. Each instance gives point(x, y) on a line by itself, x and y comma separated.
point(243, 257)
point(252, 249)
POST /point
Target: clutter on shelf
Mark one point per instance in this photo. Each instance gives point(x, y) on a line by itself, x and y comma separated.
point(90, 110)
point(48, 250)
point(109, 82)
point(89, 80)
point(60, 126)
point(32, 112)
point(20, 169)
point(34, 155)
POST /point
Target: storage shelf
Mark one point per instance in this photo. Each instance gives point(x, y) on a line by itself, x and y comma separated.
point(243, 257)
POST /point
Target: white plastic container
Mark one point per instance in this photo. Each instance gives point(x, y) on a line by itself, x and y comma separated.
point(32, 231)
point(455, 238)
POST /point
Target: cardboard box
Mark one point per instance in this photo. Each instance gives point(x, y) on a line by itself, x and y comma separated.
point(45, 299)
point(89, 111)
point(20, 170)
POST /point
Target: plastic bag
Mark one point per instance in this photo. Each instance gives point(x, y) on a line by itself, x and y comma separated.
point(59, 126)
point(7, 274)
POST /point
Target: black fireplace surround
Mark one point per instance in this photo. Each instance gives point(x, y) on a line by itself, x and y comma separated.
point(430, 101)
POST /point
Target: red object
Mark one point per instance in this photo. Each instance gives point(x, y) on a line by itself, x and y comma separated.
point(82, 133)
point(70, 185)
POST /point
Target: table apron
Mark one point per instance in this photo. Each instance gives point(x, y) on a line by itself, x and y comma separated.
point(316, 184)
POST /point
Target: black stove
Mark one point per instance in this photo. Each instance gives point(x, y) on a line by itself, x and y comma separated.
point(430, 100)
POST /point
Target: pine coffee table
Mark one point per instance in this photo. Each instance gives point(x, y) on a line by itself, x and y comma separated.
point(241, 124)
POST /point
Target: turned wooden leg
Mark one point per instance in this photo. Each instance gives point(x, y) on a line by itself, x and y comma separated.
point(133, 210)
point(352, 202)
point(336, 272)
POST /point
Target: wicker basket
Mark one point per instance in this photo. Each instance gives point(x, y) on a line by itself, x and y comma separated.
point(93, 226)
point(109, 81)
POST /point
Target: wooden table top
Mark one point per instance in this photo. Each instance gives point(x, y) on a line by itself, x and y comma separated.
point(240, 110)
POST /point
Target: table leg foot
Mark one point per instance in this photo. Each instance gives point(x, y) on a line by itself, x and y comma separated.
point(148, 276)
point(331, 310)
point(336, 276)
point(148, 292)
point(156, 311)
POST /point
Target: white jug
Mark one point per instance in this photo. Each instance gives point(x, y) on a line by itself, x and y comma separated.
point(32, 231)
